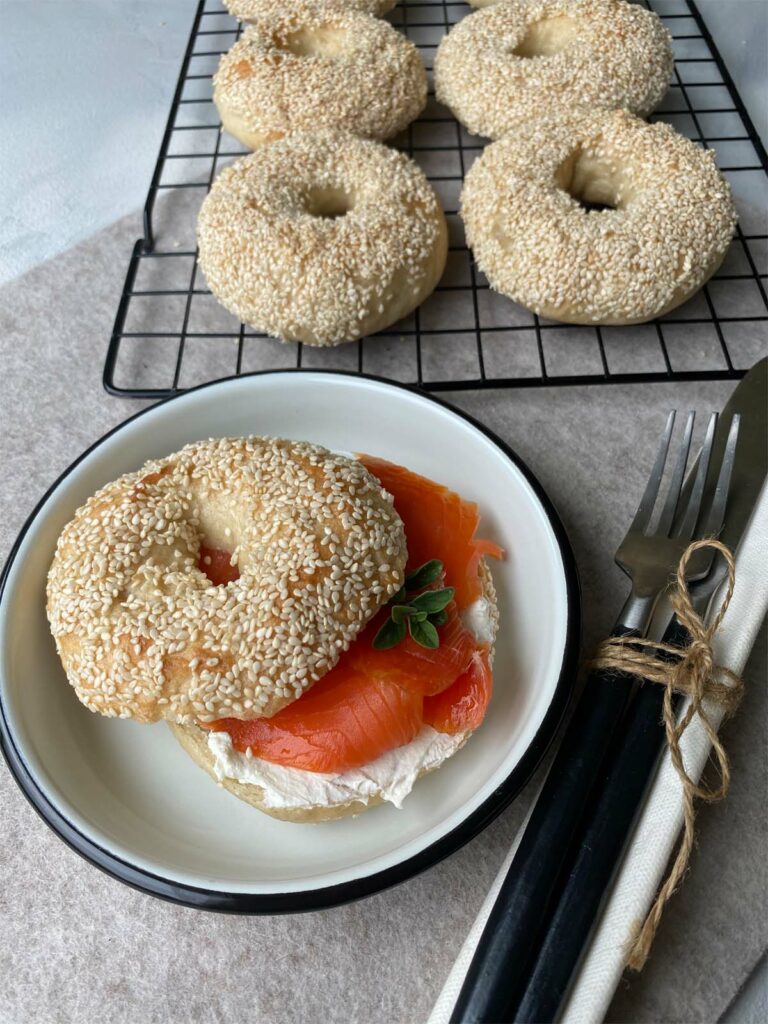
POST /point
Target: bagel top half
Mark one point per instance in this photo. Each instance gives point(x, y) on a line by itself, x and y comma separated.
point(143, 633)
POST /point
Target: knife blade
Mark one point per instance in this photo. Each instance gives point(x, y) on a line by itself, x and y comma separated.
point(749, 401)
point(640, 741)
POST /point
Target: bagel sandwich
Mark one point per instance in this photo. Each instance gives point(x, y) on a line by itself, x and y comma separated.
point(316, 629)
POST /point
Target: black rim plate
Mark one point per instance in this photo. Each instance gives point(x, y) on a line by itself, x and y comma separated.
point(345, 892)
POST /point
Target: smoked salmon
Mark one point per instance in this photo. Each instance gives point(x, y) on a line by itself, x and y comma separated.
point(216, 565)
point(346, 720)
point(409, 664)
point(438, 524)
point(462, 705)
point(375, 700)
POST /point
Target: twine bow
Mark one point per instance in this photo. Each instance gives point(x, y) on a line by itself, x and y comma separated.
point(691, 671)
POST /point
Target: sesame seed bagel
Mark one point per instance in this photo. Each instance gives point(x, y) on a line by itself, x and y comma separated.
point(194, 740)
point(143, 633)
point(306, 68)
point(668, 225)
point(322, 238)
point(502, 66)
point(247, 10)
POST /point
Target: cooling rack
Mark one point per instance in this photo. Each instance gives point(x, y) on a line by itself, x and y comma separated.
point(170, 333)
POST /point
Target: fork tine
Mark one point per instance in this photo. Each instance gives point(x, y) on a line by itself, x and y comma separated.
point(675, 484)
point(688, 524)
point(648, 500)
point(717, 508)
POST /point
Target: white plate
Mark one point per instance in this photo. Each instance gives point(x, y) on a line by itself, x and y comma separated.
point(130, 800)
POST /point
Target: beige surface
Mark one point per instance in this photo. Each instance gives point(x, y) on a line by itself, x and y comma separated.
point(78, 946)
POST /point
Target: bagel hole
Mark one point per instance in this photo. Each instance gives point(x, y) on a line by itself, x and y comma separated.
point(592, 183)
point(215, 563)
point(328, 202)
point(547, 37)
point(323, 41)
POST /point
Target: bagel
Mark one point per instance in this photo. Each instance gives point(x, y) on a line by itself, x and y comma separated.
point(668, 225)
point(143, 633)
point(247, 10)
point(322, 238)
point(286, 793)
point(307, 68)
point(215, 587)
point(506, 64)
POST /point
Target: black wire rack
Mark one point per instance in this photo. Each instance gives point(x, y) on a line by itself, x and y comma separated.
point(170, 333)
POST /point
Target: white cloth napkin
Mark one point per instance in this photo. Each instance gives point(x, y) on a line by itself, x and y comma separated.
point(660, 820)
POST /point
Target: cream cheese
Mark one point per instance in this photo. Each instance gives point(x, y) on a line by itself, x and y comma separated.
point(390, 776)
point(478, 619)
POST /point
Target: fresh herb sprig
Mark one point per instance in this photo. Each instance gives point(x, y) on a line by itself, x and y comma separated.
point(419, 615)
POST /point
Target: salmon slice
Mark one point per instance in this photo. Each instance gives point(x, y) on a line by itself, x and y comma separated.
point(462, 705)
point(215, 563)
point(438, 524)
point(370, 702)
point(373, 700)
point(346, 720)
point(411, 665)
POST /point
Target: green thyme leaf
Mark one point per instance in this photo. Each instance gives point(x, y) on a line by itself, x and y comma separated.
point(433, 600)
point(419, 615)
point(424, 575)
point(424, 633)
point(400, 613)
point(390, 635)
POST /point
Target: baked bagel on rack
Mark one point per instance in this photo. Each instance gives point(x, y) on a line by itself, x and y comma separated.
point(502, 66)
point(597, 218)
point(247, 10)
point(308, 68)
point(322, 237)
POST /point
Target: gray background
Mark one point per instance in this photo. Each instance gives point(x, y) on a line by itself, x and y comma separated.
point(79, 144)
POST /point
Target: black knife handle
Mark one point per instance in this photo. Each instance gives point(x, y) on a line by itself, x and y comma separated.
point(636, 752)
point(499, 969)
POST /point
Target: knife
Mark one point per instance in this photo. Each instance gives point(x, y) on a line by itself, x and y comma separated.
point(641, 739)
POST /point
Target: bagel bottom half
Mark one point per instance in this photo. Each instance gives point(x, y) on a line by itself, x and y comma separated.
point(195, 741)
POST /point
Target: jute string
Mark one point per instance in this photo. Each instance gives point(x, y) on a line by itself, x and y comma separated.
point(690, 670)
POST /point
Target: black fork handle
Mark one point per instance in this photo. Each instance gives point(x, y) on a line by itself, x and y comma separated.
point(498, 973)
point(636, 753)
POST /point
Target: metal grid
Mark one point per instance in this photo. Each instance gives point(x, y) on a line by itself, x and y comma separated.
point(170, 333)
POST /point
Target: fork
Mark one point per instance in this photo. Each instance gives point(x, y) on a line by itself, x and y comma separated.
point(647, 558)
point(649, 555)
